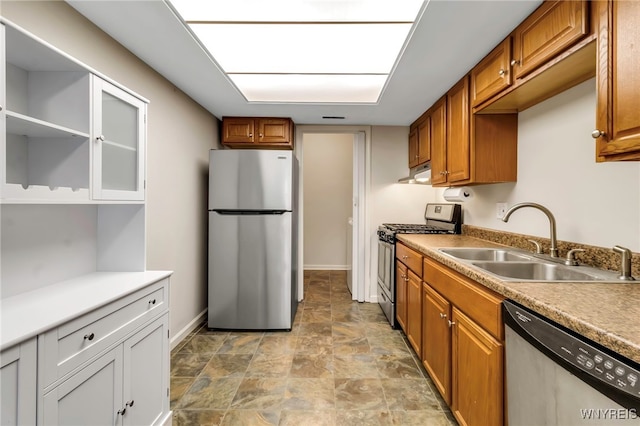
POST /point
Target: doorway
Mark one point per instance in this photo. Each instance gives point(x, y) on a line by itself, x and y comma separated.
point(330, 218)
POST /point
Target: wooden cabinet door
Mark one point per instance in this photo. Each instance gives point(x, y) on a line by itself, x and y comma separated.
point(18, 384)
point(401, 294)
point(92, 396)
point(413, 148)
point(274, 131)
point(414, 312)
point(439, 141)
point(424, 141)
point(492, 74)
point(145, 359)
point(458, 141)
point(618, 81)
point(238, 130)
point(477, 374)
point(436, 340)
point(550, 29)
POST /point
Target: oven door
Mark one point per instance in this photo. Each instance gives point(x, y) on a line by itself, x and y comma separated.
point(386, 257)
point(386, 280)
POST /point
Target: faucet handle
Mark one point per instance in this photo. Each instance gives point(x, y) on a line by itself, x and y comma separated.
point(538, 246)
point(571, 261)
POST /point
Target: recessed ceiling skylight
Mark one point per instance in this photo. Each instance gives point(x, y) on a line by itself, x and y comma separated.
point(301, 51)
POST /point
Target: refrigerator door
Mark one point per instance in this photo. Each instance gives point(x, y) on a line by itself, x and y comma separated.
point(250, 179)
point(250, 271)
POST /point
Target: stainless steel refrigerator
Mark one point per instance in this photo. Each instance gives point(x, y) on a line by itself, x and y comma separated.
point(252, 239)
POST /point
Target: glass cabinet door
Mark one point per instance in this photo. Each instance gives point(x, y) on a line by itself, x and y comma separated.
point(118, 149)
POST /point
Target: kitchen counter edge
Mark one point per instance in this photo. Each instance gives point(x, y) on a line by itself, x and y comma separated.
point(593, 310)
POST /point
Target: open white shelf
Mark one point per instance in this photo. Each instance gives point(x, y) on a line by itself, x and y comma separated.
point(20, 124)
point(16, 193)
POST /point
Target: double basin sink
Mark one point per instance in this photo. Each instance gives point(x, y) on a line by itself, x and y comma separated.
point(518, 265)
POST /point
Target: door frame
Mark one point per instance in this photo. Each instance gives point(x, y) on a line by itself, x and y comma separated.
point(361, 184)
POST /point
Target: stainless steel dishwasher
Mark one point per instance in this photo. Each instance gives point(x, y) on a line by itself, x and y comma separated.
point(557, 377)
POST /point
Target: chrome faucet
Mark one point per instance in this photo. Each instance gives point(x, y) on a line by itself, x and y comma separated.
point(552, 223)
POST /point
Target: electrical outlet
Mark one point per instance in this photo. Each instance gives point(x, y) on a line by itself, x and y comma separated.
point(501, 209)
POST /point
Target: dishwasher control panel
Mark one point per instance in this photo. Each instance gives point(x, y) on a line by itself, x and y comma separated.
point(577, 351)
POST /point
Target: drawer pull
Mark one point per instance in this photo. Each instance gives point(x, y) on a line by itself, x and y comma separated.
point(89, 336)
point(152, 302)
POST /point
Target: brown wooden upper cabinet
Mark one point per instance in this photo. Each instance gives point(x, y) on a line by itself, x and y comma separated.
point(618, 81)
point(550, 29)
point(474, 148)
point(420, 141)
point(492, 74)
point(551, 51)
point(257, 132)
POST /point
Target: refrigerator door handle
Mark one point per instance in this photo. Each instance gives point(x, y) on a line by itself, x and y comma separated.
point(249, 212)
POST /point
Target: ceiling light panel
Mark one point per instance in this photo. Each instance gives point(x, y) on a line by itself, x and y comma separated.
point(303, 48)
point(298, 10)
point(303, 51)
point(301, 88)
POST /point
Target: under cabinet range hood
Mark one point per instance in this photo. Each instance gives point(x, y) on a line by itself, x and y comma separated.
point(420, 174)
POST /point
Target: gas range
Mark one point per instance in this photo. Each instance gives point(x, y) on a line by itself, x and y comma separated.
point(440, 219)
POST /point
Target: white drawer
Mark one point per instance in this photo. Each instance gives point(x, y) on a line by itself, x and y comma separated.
point(63, 349)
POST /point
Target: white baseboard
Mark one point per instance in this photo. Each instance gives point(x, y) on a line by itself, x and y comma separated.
point(326, 267)
point(192, 325)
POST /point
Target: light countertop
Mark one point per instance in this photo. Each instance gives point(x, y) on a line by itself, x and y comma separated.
point(28, 314)
point(607, 313)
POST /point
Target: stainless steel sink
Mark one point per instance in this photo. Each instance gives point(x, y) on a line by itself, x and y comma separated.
point(536, 271)
point(488, 254)
point(517, 265)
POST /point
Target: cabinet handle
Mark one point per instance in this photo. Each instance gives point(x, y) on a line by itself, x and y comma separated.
point(129, 403)
point(250, 135)
point(0, 107)
point(405, 256)
point(501, 73)
point(451, 323)
point(597, 133)
point(121, 412)
point(260, 134)
point(515, 62)
point(89, 336)
point(100, 138)
point(152, 302)
point(443, 316)
point(406, 279)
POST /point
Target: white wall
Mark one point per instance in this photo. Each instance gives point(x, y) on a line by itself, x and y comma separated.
point(389, 201)
point(179, 136)
point(593, 203)
point(328, 191)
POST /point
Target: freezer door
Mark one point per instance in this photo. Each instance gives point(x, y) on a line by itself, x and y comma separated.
point(250, 179)
point(250, 271)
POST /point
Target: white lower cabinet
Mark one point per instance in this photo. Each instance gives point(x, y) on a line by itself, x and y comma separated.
point(92, 396)
point(145, 384)
point(18, 384)
point(128, 385)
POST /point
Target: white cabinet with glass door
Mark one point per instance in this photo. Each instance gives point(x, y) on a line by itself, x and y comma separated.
point(118, 149)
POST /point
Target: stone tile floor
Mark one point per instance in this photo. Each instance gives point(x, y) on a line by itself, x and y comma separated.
point(341, 364)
